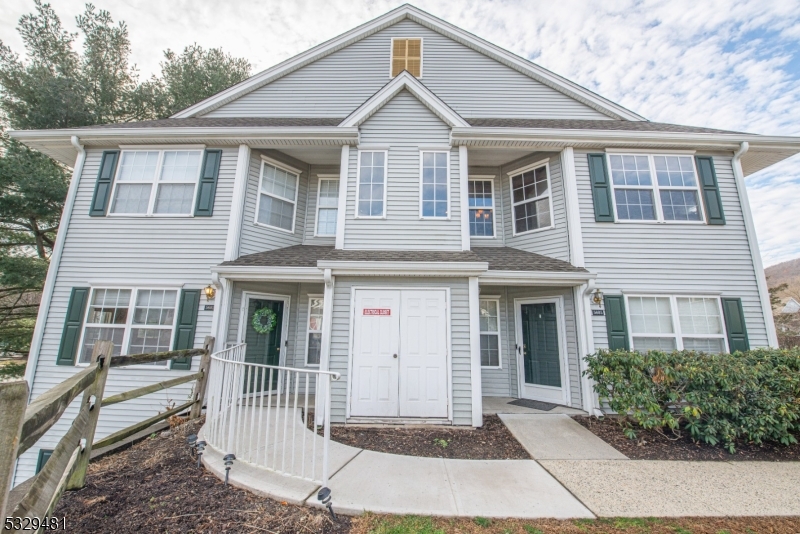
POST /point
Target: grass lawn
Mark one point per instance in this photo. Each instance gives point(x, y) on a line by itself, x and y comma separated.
point(376, 524)
point(11, 369)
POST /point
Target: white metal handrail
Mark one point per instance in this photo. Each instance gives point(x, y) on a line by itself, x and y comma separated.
point(259, 413)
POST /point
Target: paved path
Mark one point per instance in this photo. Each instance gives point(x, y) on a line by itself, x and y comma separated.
point(574, 475)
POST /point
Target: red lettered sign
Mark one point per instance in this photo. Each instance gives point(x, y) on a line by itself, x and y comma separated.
point(377, 311)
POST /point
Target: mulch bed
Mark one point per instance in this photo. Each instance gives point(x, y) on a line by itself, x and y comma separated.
point(650, 445)
point(492, 441)
point(155, 486)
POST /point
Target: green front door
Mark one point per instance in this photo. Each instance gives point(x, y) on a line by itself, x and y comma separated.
point(264, 348)
point(541, 358)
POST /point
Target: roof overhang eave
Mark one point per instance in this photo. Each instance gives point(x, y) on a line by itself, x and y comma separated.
point(537, 278)
point(404, 268)
point(268, 273)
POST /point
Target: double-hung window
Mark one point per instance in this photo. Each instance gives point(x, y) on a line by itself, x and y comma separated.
point(531, 198)
point(434, 196)
point(277, 197)
point(371, 187)
point(314, 331)
point(136, 320)
point(490, 332)
point(675, 323)
point(153, 182)
point(655, 188)
point(481, 207)
point(327, 206)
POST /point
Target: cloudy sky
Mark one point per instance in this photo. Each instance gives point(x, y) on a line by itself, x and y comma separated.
point(723, 64)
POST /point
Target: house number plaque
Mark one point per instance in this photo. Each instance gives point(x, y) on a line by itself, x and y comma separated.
point(598, 312)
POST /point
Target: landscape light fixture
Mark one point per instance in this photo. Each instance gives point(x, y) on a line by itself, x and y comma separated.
point(191, 440)
point(324, 496)
point(210, 292)
point(228, 459)
point(201, 446)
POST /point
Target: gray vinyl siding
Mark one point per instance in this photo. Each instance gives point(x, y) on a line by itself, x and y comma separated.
point(504, 382)
point(473, 84)
point(459, 324)
point(311, 206)
point(700, 259)
point(404, 125)
point(128, 251)
point(258, 237)
point(553, 242)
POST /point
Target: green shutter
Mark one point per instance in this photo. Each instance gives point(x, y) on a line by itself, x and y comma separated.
point(601, 188)
point(104, 184)
point(187, 322)
point(208, 183)
point(708, 181)
point(616, 322)
point(734, 324)
point(44, 455)
point(72, 326)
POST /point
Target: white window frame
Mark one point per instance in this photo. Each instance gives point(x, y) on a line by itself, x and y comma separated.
point(549, 195)
point(291, 170)
point(676, 320)
point(385, 182)
point(656, 189)
point(320, 179)
point(496, 300)
point(309, 331)
point(128, 326)
point(484, 178)
point(421, 55)
point(434, 151)
point(155, 183)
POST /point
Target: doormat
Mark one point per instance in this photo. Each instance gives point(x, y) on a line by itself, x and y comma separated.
point(536, 405)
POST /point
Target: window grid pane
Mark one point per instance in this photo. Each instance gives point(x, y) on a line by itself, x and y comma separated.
point(276, 212)
point(532, 215)
point(674, 171)
point(490, 352)
point(481, 213)
point(174, 199)
point(137, 166)
point(181, 166)
point(651, 315)
point(631, 170)
point(371, 183)
point(680, 205)
point(132, 198)
point(434, 184)
point(635, 204)
point(279, 183)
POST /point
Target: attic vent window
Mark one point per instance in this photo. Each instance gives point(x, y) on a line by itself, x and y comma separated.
point(407, 55)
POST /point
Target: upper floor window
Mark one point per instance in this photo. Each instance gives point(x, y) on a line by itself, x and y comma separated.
point(699, 324)
point(407, 55)
point(434, 195)
point(655, 188)
point(277, 198)
point(371, 187)
point(481, 207)
point(136, 320)
point(153, 182)
point(327, 206)
point(531, 198)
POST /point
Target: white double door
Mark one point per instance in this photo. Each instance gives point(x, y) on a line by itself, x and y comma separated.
point(399, 354)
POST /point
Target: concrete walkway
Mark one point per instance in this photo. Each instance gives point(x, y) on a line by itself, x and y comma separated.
point(574, 475)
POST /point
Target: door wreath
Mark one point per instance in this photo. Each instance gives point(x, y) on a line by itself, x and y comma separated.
point(261, 327)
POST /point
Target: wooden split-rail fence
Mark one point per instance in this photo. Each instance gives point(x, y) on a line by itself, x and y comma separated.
point(23, 424)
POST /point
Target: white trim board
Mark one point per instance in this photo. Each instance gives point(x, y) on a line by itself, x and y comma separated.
point(438, 25)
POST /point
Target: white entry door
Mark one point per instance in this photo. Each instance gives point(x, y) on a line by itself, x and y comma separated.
point(399, 354)
point(376, 345)
point(423, 354)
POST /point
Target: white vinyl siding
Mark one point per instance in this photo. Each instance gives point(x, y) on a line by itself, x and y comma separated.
point(667, 322)
point(406, 127)
point(657, 187)
point(327, 206)
point(125, 252)
point(473, 84)
point(277, 199)
point(693, 259)
point(156, 182)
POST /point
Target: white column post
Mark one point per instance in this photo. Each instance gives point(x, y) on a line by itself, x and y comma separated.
point(322, 392)
point(344, 172)
point(222, 313)
point(463, 180)
point(573, 208)
point(237, 204)
point(583, 314)
point(752, 240)
point(475, 351)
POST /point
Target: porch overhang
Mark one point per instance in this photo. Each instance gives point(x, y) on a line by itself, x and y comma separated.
point(404, 268)
point(269, 274)
point(535, 278)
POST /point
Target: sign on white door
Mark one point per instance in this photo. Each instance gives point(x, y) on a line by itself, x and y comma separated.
point(400, 354)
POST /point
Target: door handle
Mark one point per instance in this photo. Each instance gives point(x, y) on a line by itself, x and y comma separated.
point(394, 355)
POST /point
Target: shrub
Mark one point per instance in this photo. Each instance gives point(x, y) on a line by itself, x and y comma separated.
point(718, 398)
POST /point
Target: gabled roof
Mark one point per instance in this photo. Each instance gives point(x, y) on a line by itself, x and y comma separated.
point(409, 12)
point(406, 81)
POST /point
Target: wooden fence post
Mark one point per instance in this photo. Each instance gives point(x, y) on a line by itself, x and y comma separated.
point(13, 401)
point(202, 382)
point(102, 350)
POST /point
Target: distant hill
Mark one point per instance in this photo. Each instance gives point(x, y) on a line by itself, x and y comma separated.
point(787, 272)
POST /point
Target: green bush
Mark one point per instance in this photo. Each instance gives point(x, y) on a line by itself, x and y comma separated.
point(718, 398)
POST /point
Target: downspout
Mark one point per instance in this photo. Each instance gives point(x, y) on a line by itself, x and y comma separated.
point(752, 240)
point(55, 260)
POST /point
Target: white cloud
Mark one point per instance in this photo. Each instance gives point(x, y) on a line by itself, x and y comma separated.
point(710, 63)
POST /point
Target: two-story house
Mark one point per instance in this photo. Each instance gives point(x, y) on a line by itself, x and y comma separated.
point(433, 217)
